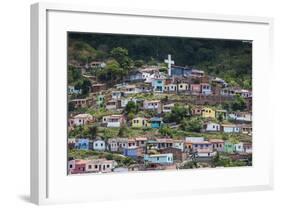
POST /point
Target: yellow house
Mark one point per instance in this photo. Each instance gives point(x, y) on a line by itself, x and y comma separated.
point(140, 122)
point(208, 113)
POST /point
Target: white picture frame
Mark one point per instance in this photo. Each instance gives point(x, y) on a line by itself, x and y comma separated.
point(49, 181)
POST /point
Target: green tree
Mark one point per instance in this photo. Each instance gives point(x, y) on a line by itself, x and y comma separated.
point(93, 131)
point(122, 131)
point(131, 107)
point(193, 124)
point(239, 103)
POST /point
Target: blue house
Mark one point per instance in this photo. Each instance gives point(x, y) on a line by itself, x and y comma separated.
point(180, 71)
point(82, 144)
point(158, 85)
point(159, 158)
point(156, 122)
point(132, 152)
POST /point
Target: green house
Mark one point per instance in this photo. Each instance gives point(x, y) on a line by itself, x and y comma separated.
point(229, 147)
point(100, 101)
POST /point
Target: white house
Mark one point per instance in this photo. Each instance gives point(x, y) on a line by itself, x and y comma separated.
point(206, 153)
point(241, 116)
point(116, 95)
point(206, 89)
point(168, 107)
point(182, 87)
point(111, 105)
point(239, 147)
point(212, 127)
point(194, 139)
point(171, 87)
point(81, 119)
point(72, 90)
point(100, 165)
point(113, 120)
point(230, 128)
point(178, 144)
point(152, 105)
point(99, 145)
point(244, 93)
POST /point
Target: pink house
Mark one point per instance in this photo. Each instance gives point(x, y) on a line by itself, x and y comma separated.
point(76, 166)
point(195, 89)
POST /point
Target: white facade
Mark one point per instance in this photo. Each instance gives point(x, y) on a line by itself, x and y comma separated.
point(239, 147)
point(151, 104)
point(194, 139)
point(212, 127)
point(206, 89)
point(178, 145)
point(231, 129)
point(72, 90)
point(116, 95)
point(82, 119)
point(99, 145)
point(113, 120)
point(167, 108)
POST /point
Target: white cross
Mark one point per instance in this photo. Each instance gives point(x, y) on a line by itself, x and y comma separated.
point(169, 61)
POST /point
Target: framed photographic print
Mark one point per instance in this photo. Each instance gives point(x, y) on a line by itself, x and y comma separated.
point(134, 103)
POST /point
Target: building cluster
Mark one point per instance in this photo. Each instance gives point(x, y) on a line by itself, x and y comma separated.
point(151, 153)
point(159, 153)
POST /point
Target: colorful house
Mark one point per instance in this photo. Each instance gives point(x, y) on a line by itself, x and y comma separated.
point(152, 105)
point(239, 147)
point(205, 153)
point(206, 89)
point(100, 165)
point(111, 105)
point(116, 95)
point(76, 166)
point(211, 127)
point(200, 145)
point(141, 141)
point(208, 113)
point(99, 145)
point(100, 101)
point(164, 143)
point(218, 144)
point(112, 145)
point(197, 111)
point(81, 119)
point(177, 153)
point(140, 122)
point(156, 122)
point(158, 85)
point(230, 128)
point(72, 90)
point(229, 147)
point(113, 120)
point(98, 87)
point(167, 108)
point(132, 152)
point(159, 158)
point(183, 87)
point(171, 87)
point(195, 89)
point(82, 144)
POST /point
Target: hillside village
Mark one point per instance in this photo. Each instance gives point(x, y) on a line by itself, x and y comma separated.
point(158, 117)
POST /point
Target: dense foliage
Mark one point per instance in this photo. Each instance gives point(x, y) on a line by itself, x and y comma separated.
point(228, 59)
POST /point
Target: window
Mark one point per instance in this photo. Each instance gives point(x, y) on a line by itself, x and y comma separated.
point(107, 166)
point(157, 158)
point(70, 166)
point(101, 144)
point(89, 166)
